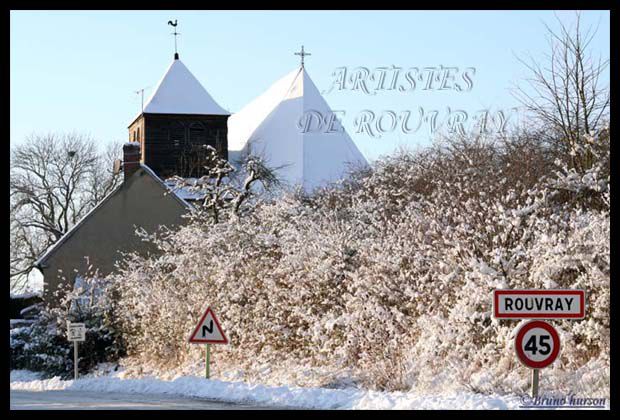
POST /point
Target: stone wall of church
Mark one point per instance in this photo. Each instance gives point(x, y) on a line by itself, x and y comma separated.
point(136, 134)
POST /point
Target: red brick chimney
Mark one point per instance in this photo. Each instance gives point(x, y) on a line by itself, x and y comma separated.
point(131, 159)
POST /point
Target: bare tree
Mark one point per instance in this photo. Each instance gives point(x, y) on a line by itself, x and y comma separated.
point(221, 193)
point(566, 93)
point(54, 181)
point(256, 170)
point(191, 160)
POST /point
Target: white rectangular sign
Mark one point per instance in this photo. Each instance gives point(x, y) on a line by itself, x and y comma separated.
point(76, 331)
point(541, 304)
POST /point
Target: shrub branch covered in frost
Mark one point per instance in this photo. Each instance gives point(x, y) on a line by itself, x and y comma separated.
point(391, 274)
point(222, 195)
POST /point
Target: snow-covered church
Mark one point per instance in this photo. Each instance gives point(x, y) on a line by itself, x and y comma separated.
point(180, 116)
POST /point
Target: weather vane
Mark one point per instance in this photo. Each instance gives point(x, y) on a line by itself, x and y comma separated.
point(302, 53)
point(175, 33)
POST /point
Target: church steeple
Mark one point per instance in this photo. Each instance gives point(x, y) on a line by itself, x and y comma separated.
point(177, 121)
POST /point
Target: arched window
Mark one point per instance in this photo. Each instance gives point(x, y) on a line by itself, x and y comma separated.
point(138, 134)
point(197, 134)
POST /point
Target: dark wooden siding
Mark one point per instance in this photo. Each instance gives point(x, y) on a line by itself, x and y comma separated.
point(168, 138)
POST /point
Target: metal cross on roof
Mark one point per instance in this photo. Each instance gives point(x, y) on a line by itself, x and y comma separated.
point(175, 33)
point(302, 53)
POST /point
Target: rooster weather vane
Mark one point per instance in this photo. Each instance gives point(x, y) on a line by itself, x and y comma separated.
point(175, 33)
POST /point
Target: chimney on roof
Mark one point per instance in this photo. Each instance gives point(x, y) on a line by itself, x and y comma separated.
point(131, 159)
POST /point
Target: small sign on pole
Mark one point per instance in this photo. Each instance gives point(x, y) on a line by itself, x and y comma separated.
point(208, 331)
point(537, 343)
point(76, 331)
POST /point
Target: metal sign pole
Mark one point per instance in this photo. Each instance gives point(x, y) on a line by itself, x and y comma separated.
point(535, 383)
point(75, 360)
point(208, 357)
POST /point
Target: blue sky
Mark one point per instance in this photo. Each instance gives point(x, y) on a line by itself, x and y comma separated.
point(78, 71)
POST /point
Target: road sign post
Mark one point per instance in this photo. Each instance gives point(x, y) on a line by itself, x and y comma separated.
point(535, 383)
point(207, 359)
point(75, 360)
point(75, 332)
point(208, 331)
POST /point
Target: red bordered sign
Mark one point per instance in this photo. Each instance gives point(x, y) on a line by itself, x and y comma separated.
point(546, 304)
point(537, 344)
point(208, 330)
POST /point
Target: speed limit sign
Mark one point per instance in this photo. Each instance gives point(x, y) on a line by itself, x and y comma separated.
point(537, 344)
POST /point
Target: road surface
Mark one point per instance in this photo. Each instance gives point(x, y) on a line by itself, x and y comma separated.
point(84, 400)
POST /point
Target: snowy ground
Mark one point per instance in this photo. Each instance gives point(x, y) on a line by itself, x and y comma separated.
point(261, 395)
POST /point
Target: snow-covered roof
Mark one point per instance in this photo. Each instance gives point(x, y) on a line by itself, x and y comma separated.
point(179, 92)
point(190, 191)
point(179, 196)
point(25, 295)
point(268, 126)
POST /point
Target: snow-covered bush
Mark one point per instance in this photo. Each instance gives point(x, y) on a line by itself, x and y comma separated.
point(43, 345)
point(388, 275)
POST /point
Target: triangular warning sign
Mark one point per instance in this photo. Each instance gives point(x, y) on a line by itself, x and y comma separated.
point(208, 330)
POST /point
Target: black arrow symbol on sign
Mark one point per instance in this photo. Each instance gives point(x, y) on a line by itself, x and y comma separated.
point(209, 328)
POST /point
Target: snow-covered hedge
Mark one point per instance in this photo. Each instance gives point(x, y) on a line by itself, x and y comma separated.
point(389, 275)
point(43, 347)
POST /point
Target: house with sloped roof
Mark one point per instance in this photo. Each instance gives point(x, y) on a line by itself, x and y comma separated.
point(97, 241)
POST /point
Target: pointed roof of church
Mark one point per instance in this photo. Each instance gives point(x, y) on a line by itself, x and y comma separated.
point(268, 126)
point(179, 92)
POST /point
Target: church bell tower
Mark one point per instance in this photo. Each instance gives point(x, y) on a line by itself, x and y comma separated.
point(176, 124)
